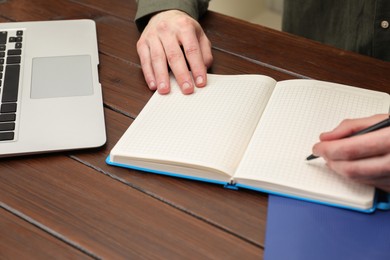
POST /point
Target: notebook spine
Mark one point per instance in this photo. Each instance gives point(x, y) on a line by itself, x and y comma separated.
point(231, 185)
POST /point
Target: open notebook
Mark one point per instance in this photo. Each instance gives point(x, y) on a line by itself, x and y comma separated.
point(253, 132)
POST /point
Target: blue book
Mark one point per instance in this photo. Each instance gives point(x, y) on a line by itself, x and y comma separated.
point(298, 230)
point(249, 131)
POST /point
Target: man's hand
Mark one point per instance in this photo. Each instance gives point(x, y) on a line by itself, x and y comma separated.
point(170, 38)
point(364, 158)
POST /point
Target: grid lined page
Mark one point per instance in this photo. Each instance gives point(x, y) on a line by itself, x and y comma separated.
point(211, 127)
point(298, 111)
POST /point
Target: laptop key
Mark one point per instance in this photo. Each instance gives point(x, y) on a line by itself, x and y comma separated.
point(3, 37)
point(14, 52)
point(8, 108)
point(7, 117)
point(7, 136)
point(11, 83)
point(7, 126)
point(13, 59)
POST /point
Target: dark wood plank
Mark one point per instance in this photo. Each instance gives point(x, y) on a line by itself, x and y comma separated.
point(102, 20)
point(21, 240)
point(113, 212)
point(25, 10)
point(124, 88)
point(118, 38)
point(240, 212)
point(124, 9)
point(107, 218)
point(294, 54)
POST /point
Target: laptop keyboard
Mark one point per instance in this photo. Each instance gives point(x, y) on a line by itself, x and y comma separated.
point(10, 62)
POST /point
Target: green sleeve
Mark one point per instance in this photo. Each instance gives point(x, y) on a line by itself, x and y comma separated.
point(146, 8)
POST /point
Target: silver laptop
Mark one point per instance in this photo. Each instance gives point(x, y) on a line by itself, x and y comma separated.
point(50, 95)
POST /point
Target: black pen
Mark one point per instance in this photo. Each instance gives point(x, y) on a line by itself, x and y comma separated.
point(377, 126)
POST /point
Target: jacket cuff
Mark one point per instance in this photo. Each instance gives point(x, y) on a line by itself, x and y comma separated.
point(146, 8)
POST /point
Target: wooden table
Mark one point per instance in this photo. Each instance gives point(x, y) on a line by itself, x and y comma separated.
point(73, 205)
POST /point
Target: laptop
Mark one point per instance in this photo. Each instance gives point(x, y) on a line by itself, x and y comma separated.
point(50, 95)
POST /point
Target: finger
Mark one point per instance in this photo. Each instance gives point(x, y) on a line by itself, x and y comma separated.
point(373, 171)
point(194, 57)
point(205, 46)
point(159, 65)
point(382, 183)
point(195, 61)
point(178, 65)
point(350, 126)
point(146, 64)
point(368, 145)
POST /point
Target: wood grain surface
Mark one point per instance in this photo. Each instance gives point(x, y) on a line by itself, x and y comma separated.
point(72, 205)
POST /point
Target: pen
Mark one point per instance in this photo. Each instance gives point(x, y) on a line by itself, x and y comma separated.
point(377, 126)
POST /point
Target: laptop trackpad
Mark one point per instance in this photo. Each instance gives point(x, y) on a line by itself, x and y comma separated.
point(61, 76)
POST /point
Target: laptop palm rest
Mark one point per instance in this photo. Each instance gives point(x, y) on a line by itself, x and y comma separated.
point(61, 77)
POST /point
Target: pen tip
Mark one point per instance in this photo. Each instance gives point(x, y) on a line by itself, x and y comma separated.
point(311, 157)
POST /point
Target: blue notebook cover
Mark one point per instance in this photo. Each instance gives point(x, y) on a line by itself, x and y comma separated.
point(235, 186)
point(303, 230)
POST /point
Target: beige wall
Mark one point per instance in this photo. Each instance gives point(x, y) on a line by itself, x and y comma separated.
point(264, 12)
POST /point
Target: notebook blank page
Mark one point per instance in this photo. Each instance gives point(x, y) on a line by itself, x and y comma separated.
point(297, 113)
point(211, 127)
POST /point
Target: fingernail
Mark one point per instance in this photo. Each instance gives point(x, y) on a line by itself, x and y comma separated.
point(186, 86)
point(163, 88)
point(199, 80)
point(152, 85)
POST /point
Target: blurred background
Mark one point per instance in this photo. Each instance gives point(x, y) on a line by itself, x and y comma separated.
point(264, 12)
